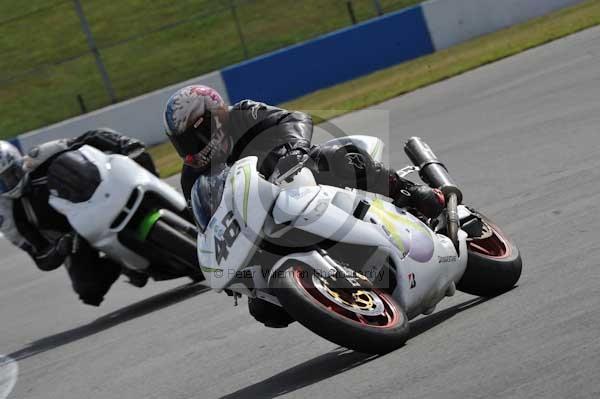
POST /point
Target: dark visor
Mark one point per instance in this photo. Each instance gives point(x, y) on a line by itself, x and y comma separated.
point(194, 139)
point(10, 177)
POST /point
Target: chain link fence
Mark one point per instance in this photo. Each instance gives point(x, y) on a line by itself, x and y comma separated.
point(62, 58)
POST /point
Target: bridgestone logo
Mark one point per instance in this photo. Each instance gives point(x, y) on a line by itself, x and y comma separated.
point(447, 259)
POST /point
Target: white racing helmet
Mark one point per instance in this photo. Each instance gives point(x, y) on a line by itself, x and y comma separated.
point(12, 175)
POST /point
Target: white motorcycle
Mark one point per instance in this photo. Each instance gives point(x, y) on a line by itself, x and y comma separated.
point(348, 265)
point(126, 213)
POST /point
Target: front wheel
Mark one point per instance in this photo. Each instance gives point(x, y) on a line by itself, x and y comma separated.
point(494, 262)
point(352, 314)
point(179, 248)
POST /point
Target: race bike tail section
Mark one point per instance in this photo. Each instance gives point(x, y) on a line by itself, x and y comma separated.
point(126, 212)
point(369, 144)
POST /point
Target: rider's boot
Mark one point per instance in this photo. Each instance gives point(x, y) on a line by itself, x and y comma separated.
point(136, 279)
point(91, 275)
point(269, 314)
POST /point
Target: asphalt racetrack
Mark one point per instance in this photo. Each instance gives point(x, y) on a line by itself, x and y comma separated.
point(522, 138)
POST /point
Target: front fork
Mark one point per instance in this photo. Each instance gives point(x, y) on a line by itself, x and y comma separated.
point(452, 220)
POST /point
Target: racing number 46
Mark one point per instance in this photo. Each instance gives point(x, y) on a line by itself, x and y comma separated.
point(222, 244)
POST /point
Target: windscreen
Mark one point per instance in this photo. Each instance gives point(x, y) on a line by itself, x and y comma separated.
point(206, 196)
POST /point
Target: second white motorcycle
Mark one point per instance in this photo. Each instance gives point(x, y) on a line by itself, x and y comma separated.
point(128, 214)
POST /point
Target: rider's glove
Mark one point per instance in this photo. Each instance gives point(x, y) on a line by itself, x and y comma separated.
point(429, 201)
point(288, 164)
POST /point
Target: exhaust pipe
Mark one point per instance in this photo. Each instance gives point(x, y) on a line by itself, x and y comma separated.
point(432, 171)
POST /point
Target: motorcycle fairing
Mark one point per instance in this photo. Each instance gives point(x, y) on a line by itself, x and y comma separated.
point(93, 219)
point(426, 263)
point(229, 240)
point(408, 233)
point(292, 202)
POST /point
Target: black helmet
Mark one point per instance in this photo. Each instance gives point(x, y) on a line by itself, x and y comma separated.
point(191, 125)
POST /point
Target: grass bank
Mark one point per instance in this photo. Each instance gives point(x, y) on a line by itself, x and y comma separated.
point(145, 45)
point(391, 82)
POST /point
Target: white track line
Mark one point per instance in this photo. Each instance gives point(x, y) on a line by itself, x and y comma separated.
point(9, 372)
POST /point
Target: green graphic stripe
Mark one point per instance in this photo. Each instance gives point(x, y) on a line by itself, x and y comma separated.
point(232, 182)
point(376, 149)
point(389, 224)
point(210, 269)
point(246, 191)
point(146, 225)
point(378, 204)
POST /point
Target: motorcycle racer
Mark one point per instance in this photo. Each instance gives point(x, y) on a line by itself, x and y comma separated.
point(207, 134)
point(30, 223)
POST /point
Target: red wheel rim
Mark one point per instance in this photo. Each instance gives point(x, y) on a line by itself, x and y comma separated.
point(495, 246)
point(387, 319)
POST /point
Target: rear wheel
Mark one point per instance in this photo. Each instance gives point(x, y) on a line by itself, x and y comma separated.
point(352, 314)
point(494, 262)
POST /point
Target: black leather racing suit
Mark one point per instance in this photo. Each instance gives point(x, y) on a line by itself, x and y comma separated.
point(272, 133)
point(46, 235)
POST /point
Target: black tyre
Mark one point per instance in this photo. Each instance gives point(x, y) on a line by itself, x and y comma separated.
point(361, 318)
point(179, 245)
point(494, 263)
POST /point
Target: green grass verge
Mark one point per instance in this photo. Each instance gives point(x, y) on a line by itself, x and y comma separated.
point(391, 82)
point(144, 45)
point(166, 159)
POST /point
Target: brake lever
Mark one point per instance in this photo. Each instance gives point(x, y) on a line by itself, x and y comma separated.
point(288, 173)
point(407, 170)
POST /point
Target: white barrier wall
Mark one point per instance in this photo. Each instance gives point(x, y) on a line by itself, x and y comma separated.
point(454, 21)
point(140, 117)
